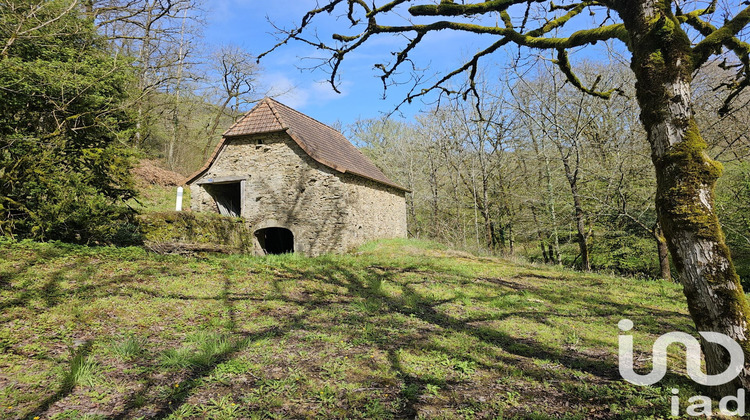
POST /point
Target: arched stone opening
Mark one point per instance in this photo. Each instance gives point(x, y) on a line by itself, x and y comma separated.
point(275, 240)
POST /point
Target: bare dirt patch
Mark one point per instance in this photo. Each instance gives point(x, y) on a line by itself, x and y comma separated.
point(150, 172)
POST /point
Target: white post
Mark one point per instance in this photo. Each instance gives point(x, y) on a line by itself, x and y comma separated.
point(178, 207)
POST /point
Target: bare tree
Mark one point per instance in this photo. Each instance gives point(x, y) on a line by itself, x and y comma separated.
point(160, 36)
point(475, 146)
point(235, 73)
point(559, 118)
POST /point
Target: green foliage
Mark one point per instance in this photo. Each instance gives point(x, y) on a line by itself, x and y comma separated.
point(624, 253)
point(64, 172)
point(733, 203)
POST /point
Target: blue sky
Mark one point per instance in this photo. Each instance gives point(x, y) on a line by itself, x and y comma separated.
point(243, 23)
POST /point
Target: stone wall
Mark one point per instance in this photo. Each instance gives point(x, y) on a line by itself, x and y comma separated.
point(284, 187)
point(377, 211)
point(184, 232)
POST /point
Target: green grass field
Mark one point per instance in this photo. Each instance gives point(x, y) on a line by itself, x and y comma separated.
point(402, 329)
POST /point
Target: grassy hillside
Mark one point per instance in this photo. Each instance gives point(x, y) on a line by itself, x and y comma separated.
point(402, 329)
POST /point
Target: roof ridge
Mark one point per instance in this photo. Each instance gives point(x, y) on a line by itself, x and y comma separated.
point(321, 142)
point(253, 109)
point(300, 113)
point(269, 101)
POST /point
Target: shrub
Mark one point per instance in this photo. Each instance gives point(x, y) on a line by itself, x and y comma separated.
point(64, 173)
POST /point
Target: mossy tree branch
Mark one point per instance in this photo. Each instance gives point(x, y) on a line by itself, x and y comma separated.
point(364, 14)
point(740, 48)
point(576, 39)
point(532, 39)
point(536, 38)
point(719, 37)
point(564, 64)
point(448, 8)
point(697, 13)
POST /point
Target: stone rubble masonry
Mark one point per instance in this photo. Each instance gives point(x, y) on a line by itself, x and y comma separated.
point(327, 211)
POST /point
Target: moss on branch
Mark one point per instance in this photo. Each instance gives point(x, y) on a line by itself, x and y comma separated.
point(564, 64)
point(448, 8)
point(576, 39)
point(704, 49)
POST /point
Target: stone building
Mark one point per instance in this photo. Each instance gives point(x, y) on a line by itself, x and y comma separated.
point(299, 184)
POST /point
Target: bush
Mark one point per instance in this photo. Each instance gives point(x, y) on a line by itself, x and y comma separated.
point(44, 200)
point(64, 173)
point(616, 251)
point(624, 253)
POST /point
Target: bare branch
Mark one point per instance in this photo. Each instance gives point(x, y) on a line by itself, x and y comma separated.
point(294, 33)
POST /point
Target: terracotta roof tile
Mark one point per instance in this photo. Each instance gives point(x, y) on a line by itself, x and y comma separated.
point(321, 142)
point(260, 119)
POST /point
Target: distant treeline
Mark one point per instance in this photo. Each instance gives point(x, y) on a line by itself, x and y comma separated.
point(540, 169)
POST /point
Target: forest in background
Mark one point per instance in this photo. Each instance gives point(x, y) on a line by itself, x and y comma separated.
point(540, 169)
point(537, 169)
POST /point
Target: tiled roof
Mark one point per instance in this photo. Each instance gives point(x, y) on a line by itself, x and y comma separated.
point(321, 142)
point(260, 119)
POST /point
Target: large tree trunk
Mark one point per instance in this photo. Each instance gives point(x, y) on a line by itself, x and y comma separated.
point(686, 176)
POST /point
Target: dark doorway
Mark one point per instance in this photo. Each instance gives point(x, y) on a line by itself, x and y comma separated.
point(228, 197)
point(275, 240)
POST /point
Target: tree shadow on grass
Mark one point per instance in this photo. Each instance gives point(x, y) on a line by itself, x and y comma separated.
point(518, 352)
point(192, 376)
point(204, 368)
point(414, 304)
point(78, 363)
point(600, 306)
point(361, 283)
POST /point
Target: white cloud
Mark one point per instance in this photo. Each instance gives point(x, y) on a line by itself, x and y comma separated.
point(284, 89)
point(324, 92)
point(300, 94)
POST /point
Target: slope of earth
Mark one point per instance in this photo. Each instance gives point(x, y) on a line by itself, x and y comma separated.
point(402, 329)
point(157, 187)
